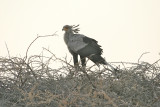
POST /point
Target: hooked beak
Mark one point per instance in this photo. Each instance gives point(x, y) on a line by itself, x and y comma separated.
point(64, 29)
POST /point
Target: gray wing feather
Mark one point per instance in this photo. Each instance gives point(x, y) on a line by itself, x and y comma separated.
point(78, 42)
point(94, 44)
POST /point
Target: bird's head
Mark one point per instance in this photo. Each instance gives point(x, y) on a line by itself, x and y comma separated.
point(67, 28)
point(71, 28)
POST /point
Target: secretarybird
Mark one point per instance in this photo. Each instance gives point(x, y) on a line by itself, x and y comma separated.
point(84, 46)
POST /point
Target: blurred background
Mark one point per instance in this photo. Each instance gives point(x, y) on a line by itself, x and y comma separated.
point(124, 28)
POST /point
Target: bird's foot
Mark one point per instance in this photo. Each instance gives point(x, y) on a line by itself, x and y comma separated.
point(77, 68)
point(83, 68)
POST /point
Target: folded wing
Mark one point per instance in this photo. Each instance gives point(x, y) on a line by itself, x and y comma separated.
point(86, 47)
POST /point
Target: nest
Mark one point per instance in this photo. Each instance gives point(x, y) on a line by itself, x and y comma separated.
point(34, 83)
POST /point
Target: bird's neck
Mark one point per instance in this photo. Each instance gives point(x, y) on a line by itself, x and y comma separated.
point(69, 32)
point(67, 36)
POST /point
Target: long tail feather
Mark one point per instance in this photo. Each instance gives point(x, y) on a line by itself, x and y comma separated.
point(106, 63)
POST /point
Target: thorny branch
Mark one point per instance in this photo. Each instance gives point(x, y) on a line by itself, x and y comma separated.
point(35, 40)
point(36, 83)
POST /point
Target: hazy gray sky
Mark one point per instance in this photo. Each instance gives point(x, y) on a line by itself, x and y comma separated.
point(124, 28)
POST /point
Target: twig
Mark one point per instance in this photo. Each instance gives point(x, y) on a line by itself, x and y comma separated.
point(34, 41)
point(58, 58)
point(151, 65)
point(94, 87)
point(141, 56)
point(8, 50)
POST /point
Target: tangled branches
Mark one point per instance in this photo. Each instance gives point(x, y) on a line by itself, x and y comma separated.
point(36, 81)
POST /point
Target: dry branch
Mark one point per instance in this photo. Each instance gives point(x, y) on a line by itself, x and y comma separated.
point(36, 83)
point(35, 40)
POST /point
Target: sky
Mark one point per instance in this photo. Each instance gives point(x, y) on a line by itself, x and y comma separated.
point(124, 28)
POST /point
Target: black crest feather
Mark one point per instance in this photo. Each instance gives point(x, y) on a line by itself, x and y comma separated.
point(75, 28)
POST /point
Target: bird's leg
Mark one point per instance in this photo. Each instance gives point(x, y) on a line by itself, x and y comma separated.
point(83, 61)
point(75, 59)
